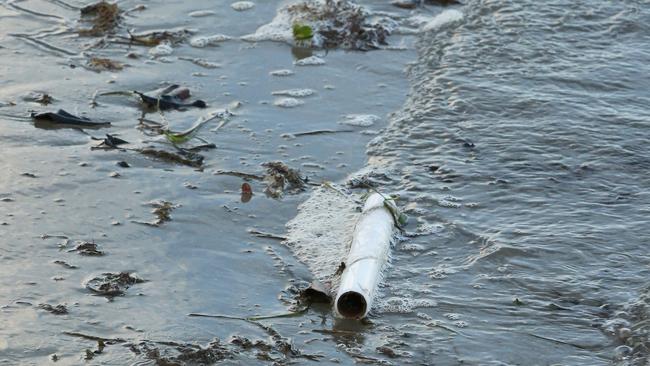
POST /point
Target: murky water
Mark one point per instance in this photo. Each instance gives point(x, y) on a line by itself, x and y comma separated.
point(518, 152)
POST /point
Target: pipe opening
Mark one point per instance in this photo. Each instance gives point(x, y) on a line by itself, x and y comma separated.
point(352, 305)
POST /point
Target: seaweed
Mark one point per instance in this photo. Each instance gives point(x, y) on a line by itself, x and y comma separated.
point(339, 23)
point(280, 177)
point(103, 16)
point(182, 137)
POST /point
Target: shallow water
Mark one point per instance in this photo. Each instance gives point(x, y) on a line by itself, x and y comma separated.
point(519, 151)
point(523, 145)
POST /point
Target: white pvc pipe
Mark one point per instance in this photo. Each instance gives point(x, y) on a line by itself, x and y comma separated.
point(367, 257)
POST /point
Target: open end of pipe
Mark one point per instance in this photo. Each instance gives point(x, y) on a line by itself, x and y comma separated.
point(352, 305)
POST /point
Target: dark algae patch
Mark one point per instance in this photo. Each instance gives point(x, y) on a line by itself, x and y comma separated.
point(87, 248)
point(54, 309)
point(178, 354)
point(112, 284)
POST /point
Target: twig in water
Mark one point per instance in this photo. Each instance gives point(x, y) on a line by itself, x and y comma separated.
point(261, 234)
point(319, 132)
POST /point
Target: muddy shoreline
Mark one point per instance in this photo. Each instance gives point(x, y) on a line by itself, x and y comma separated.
point(72, 233)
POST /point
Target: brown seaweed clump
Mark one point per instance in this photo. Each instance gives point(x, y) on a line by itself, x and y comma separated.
point(341, 23)
point(280, 177)
point(104, 64)
point(177, 354)
point(103, 16)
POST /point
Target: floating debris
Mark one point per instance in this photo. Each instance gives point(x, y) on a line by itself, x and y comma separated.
point(104, 64)
point(56, 310)
point(242, 5)
point(103, 16)
point(265, 235)
point(62, 117)
point(112, 284)
point(318, 132)
point(65, 264)
point(110, 142)
point(87, 248)
point(38, 97)
point(246, 192)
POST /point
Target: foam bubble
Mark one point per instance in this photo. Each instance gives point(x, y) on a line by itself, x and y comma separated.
point(242, 5)
point(310, 61)
point(403, 305)
point(295, 93)
point(204, 41)
point(360, 120)
point(288, 102)
point(163, 49)
point(202, 13)
point(283, 72)
point(446, 17)
point(320, 234)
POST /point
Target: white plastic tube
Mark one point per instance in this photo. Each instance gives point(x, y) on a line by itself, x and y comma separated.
point(368, 255)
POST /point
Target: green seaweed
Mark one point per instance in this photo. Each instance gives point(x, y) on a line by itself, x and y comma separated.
point(302, 32)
